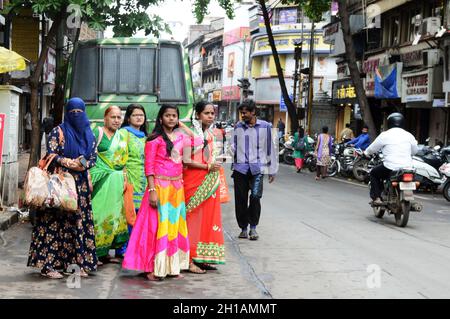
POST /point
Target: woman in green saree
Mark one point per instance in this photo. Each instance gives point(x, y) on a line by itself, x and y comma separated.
point(107, 175)
point(134, 131)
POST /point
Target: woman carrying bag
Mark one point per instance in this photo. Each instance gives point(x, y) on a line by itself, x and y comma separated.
point(61, 239)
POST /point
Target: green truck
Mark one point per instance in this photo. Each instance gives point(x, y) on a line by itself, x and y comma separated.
point(122, 71)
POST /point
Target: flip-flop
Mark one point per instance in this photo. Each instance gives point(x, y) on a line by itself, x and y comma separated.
point(52, 275)
point(195, 269)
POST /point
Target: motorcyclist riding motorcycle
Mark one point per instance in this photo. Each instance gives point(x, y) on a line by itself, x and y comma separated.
point(398, 146)
point(362, 141)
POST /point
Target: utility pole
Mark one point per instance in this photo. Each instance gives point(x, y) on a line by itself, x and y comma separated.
point(311, 77)
point(243, 67)
point(297, 57)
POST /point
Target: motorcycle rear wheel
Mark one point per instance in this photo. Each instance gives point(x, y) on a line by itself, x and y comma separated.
point(401, 219)
point(333, 168)
point(287, 157)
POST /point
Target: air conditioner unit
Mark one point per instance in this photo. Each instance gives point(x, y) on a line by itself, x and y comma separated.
point(431, 57)
point(431, 26)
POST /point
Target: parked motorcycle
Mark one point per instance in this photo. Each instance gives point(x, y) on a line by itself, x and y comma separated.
point(288, 151)
point(345, 158)
point(398, 197)
point(445, 170)
point(429, 177)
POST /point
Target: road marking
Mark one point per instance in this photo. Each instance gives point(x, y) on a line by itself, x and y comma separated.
point(348, 182)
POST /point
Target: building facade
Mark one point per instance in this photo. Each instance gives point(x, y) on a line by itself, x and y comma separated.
point(397, 43)
point(289, 27)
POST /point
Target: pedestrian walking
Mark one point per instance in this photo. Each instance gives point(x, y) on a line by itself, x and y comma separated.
point(201, 186)
point(159, 243)
point(62, 239)
point(134, 129)
point(281, 128)
point(110, 224)
point(254, 156)
point(322, 152)
point(301, 147)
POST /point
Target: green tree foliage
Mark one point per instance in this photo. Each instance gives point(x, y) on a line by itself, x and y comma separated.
point(313, 9)
point(126, 17)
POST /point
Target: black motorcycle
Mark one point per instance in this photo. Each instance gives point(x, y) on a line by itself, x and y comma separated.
point(398, 197)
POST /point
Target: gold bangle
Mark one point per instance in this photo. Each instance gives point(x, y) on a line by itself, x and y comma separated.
point(151, 190)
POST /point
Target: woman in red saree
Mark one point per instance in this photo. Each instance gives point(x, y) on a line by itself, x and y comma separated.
point(201, 186)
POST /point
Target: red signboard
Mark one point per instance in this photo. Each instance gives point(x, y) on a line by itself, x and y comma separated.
point(230, 93)
point(236, 35)
point(2, 131)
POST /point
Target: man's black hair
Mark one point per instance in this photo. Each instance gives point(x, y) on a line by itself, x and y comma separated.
point(248, 104)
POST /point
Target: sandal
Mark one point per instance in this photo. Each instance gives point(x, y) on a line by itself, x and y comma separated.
point(207, 267)
point(81, 273)
point(193, 268)
point(52, 275)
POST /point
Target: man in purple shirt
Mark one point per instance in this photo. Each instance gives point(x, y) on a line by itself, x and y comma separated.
point(255, 154)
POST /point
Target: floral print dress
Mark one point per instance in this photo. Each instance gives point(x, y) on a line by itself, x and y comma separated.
point(60, 239)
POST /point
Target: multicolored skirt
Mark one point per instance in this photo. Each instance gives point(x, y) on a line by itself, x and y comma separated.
point(159, 241)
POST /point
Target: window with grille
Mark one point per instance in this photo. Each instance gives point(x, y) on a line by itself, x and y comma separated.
point(172, 77)
point(128, 70)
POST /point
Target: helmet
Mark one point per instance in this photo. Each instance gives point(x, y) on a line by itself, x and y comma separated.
point(395, 120)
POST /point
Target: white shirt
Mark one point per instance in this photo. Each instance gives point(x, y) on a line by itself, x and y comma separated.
point(397, 146)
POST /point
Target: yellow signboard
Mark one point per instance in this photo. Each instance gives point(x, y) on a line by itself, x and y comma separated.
point(287, 43)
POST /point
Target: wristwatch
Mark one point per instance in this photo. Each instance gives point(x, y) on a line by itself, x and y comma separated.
point(83, 162)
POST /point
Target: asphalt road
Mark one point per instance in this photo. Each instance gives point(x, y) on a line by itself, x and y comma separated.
point(317, 240)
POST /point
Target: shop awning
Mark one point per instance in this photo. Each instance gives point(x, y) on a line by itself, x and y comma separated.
point(11, 61)
point(383, 6)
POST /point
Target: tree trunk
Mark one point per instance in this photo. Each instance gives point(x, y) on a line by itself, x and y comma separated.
point(34, 86)
point(62, 67)
point(354, 70)
point(292, 110)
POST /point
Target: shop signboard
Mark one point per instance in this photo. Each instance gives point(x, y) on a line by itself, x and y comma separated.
point(417, 86)
point(344, 92)
point(283, 107)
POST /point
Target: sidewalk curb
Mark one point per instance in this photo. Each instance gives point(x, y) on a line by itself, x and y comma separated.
point(7, 219)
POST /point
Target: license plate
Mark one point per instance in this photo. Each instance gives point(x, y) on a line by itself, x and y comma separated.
point(411, 186)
